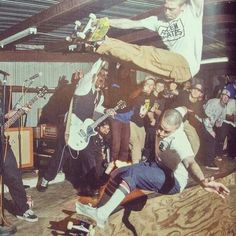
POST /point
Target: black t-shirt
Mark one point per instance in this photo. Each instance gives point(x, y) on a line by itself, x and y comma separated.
point(183, 100)
point(143, 100)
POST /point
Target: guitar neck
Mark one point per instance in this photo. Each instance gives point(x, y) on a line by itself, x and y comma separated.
point(99, 120)
point(102, 118)
point(19, 113)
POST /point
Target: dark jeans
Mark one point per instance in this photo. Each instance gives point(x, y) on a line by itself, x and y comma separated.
point(58, 158)
point(206, 154)
point(226, 130)
point(13, 180)
point(149, 147)
point(120, 140)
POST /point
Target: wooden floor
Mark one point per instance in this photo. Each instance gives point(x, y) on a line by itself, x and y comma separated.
point(55, 208)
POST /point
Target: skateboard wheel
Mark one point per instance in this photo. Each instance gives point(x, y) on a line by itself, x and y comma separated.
point(92, 16)
point(70, 225)
point(68, 38)
point(81, 35)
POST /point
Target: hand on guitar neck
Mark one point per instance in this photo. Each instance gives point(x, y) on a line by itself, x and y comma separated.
point(11, 113)
point(111, 112)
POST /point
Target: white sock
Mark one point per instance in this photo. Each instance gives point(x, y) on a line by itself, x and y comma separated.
point(112, 204)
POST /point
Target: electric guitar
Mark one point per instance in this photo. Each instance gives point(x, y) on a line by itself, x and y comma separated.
point(41, 92)
point(80, 132)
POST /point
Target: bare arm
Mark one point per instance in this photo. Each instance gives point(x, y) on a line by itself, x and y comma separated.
point(198, 6)
point(208, 185)
point(149, 23)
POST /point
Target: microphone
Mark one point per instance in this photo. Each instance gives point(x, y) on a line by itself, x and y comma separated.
point(4, 73)
point(34, 77)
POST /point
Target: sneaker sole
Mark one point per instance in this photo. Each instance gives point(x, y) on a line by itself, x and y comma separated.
point(212, 168)
point(26, 219)
point(78, 211)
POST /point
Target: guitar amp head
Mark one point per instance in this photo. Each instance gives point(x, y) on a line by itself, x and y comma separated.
point(45, 131)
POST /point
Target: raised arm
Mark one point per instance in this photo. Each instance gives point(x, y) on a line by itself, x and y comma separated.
point(197, 6)
point(147, 23)
point(126, 24)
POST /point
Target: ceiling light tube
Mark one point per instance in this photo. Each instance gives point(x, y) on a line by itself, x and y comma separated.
point(17, 36)
point(214, 60)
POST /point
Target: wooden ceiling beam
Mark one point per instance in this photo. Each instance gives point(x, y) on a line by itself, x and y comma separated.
point(41, 56)
point(63, 9)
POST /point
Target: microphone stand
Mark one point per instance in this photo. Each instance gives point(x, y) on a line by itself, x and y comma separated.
point(19, 126)
point(4, 229)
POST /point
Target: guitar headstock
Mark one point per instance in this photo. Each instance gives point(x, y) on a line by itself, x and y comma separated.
point(42, 91)
point(120, 105)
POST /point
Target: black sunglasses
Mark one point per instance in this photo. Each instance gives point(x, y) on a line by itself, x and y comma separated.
point(159, 128)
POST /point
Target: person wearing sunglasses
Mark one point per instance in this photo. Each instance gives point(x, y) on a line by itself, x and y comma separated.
point(167, 174)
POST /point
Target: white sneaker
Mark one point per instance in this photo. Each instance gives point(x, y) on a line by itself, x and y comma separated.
point(81, 208)
point(91, 212)
point(29, 216)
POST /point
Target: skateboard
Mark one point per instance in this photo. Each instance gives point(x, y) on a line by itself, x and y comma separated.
point(85, 227)
point(93, 31)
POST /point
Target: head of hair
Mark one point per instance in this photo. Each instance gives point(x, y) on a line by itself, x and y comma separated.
point(180, 2)
point(172, 117)
point(161, 81)
point(199, 81)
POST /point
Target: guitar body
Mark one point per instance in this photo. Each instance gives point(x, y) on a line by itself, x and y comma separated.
point(80, 133)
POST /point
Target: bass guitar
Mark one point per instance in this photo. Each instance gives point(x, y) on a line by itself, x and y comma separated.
point(41, 92)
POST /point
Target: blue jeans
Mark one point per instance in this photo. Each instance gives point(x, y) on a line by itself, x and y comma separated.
point(147, 176)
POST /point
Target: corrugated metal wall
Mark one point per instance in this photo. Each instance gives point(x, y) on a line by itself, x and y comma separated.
point(20, 71)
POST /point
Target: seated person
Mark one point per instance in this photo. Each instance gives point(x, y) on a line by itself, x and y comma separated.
point(86, 172)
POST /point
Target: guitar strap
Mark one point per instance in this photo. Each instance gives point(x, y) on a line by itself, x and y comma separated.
point(68, 121)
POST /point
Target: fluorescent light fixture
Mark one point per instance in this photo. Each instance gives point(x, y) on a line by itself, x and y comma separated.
point(29, 47)
point(17, 36)
point(214, 60)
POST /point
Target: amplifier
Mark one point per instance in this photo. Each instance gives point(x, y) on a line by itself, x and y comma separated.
point(45, 146)
point(45, 131)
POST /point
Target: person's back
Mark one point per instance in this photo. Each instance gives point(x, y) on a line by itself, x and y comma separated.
point(57, 105)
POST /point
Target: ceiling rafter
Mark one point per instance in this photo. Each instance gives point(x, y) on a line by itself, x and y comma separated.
point(62, 9)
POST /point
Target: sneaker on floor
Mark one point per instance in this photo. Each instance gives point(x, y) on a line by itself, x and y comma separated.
point(81, 208)
point(218, 158)
point(212, 166)
point(28, 216)
point(42, 185)
point(90, 212)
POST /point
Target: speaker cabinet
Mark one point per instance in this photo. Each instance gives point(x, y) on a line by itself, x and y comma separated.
point(21, 141)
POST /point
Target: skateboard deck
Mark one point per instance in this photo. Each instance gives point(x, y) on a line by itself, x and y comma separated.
point(84, 226)
point(95, 30)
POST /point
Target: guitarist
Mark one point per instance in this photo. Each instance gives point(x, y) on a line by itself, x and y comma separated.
point(13, 179)
point(53, 113)
point(87, 99)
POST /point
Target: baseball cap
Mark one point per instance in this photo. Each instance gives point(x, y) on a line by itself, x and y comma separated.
point(225, 92)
